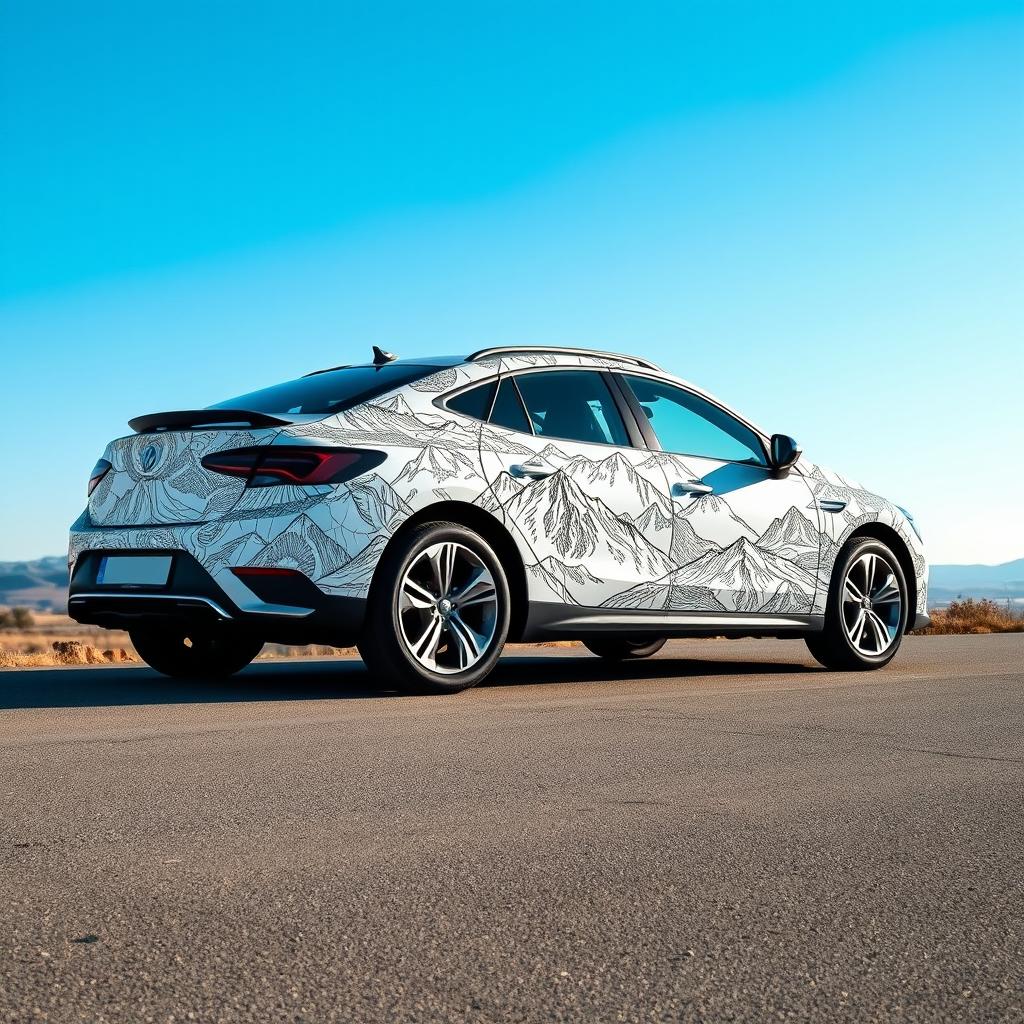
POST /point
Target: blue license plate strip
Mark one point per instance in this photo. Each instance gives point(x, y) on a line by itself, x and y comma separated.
point(134, 570)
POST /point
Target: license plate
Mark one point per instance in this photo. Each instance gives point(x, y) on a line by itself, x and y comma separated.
point(134, 570)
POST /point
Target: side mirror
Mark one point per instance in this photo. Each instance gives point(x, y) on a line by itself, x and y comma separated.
point(785, 452)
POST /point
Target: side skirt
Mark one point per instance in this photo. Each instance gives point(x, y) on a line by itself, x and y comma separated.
point(550, 621)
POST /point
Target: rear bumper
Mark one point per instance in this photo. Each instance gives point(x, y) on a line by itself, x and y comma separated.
point(277, 609)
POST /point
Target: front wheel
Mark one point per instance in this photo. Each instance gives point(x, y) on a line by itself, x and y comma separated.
point(194, 654)
point(866, 613)
point(438, 611)
point(622, 649)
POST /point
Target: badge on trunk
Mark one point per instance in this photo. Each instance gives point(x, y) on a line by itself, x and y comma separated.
point(148, 459)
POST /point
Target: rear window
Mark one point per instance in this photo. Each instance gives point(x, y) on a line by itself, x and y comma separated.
point(476, 402)
point(331, 391)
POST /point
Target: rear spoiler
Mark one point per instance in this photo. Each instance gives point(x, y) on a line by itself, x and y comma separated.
point(198, 418)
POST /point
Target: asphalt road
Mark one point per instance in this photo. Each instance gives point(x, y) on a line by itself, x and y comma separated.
point(724, 832)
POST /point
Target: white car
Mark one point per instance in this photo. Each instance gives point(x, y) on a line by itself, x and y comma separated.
point(430, 510)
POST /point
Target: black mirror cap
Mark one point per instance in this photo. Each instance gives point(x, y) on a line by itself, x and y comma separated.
point(785, 452)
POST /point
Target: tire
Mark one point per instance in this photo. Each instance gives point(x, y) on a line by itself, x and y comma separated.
point(418, 634)
point(616, 649)
point(834, 647)
point(200, 654)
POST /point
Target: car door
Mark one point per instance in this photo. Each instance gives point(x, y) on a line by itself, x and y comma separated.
point(593, 512)
point(744, 537)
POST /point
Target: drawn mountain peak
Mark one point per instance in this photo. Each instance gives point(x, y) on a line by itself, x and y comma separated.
point(667, 462)
point(538, 574)
point(389, 422)
point(789, 599)
point(659, 594)
point(305, 546)
point(744, 569)
point(620, 484)
point(791, 531)
point(434, 465)
point(492, 439)
point(569, 575)
point(503, 488)
point(396, 403)
point(711, 516)
point(554, 454)
point(559, 519)
point(658, 459)
point(653, 520)
point(383, 415)
point(558, 487)
point(354, 576)
point(377, 502)
point(687, 545)
point(619, 459)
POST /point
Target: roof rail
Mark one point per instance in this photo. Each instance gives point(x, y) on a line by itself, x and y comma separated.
point(505, 350)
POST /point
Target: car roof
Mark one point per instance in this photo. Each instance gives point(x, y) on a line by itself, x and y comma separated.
point(498, 351)
point(524, 354)
point(439, 361)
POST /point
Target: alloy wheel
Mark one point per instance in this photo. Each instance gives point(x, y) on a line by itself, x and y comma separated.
point(447, 608)
point(872, 604)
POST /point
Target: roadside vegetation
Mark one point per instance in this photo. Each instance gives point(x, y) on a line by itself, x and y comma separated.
point(16, 618)
point(970, 616)
point(39, 639)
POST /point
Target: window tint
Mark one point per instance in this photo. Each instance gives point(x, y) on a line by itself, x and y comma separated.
point(476, 402)
point(688, 425)
point(573, 405)
point(332, 390)
point(508, 410)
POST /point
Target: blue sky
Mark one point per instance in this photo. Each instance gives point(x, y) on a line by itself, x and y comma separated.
point(814, 210)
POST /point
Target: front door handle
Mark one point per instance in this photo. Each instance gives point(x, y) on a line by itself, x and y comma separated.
point(530, 470)
point(683, 488)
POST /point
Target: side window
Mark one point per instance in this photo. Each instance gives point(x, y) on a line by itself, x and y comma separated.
point(508, 409)
point(475, 402)
point(572, 405)
point(688, 425)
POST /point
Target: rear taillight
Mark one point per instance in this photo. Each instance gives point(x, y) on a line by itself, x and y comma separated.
point(300, 467)
point(100, 470)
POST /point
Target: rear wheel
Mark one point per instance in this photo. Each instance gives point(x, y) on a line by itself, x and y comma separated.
point(195, 654)
point(616, 649)
point(867, 609)
point(438, 611)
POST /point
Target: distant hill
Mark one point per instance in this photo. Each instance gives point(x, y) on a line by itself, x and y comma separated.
point(40, 584)
point(43, 583)
point(998, 582)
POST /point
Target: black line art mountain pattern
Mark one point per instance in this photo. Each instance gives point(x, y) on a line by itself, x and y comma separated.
point(337, 534)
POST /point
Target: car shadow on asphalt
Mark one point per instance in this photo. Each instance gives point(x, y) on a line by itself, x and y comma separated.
point(341, 679)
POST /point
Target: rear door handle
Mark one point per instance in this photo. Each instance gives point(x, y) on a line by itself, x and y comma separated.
point(683, 488)
point(530, 470)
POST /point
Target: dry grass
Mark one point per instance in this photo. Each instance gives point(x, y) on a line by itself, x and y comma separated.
point(970, 616)
point(66, 652)
point(48, 639)
point(57, 640)
point(54, 639)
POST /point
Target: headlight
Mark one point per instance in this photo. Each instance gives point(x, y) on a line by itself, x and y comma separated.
point(913, 525)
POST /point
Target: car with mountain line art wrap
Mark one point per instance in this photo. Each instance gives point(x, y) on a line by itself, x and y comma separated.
point(430, 510)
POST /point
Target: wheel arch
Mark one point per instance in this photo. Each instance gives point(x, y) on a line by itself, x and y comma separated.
point(495, 533)
point(888, 536)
